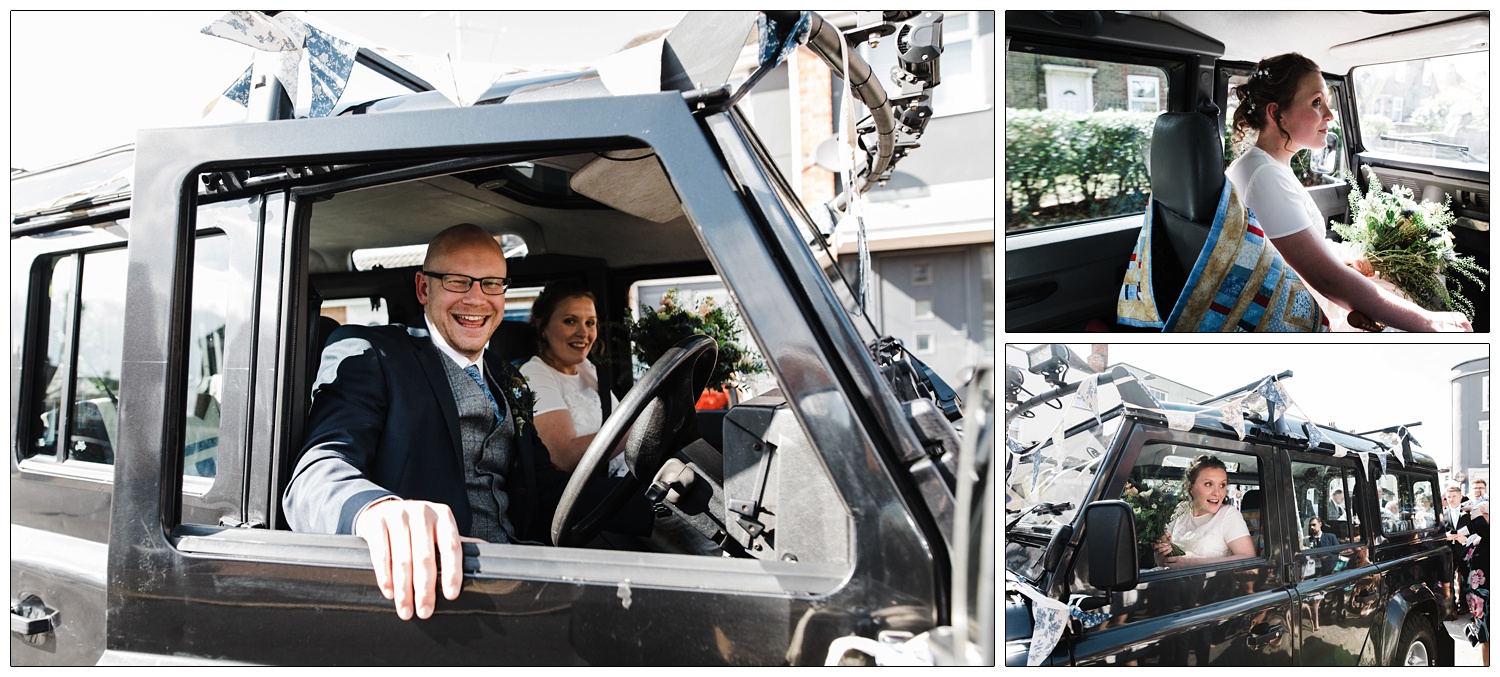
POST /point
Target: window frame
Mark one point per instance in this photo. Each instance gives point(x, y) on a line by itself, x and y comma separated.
point(1263, 457)
point(35, 337)
point(1406, 496)
point(1178, 82)
point(1349, 478)
point(1131, 99)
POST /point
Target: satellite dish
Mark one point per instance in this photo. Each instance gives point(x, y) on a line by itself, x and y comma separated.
point(827, 155)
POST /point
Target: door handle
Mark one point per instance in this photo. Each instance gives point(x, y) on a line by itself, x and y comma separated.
point(1020, 296)
point(30, 616)
point(1258, 639)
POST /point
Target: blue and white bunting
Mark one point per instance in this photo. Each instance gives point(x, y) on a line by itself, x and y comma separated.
point(329, 60)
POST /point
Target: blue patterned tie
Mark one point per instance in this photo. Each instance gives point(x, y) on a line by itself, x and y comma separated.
point(473, 371)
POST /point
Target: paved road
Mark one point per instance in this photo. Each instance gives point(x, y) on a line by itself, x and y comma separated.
point(1464, 654)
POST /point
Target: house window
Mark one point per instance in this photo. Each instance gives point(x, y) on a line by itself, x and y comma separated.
point(1070, 88)
point(924, 343)
point(1484, 393)
point(1144, 92)
point(921, 273)
point(922, 309)
point(1484, 442)
point(967, 78)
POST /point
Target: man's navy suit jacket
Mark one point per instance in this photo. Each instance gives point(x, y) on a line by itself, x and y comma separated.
point(384, 422)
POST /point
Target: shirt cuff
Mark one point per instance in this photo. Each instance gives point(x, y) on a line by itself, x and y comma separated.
point(382, 499)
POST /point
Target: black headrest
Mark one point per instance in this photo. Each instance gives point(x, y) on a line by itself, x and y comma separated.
point(515, 340)
point(1187, 164)
point(1251, 501)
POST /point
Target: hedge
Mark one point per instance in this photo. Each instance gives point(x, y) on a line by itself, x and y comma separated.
point(1098, 157)
point(1091, 164)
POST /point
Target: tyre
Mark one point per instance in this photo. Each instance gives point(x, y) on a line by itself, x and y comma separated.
point(1418, 645)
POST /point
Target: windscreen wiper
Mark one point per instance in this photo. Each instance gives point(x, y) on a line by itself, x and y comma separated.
point(1041, 508)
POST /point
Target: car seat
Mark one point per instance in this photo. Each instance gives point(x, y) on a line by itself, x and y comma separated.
point(1187, 178)
point(1250, 508)
point(515, 340)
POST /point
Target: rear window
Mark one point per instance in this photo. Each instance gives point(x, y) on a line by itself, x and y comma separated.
point(1076, 136)
point(1435, 108)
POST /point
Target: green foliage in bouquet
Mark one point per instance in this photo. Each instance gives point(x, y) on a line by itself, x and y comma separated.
point(1409, 244)
point(659, 329)
point(1155, 502)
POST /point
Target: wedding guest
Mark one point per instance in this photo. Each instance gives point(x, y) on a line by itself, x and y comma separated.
point(1477, 555)
point(1336, 506)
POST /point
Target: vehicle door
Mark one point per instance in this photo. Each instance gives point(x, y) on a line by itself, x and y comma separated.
point(1339, 589)
point(68, 322)
point(1232, 613)
point(188, 587)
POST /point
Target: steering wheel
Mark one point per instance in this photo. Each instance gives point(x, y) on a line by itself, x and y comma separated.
point(665, 397)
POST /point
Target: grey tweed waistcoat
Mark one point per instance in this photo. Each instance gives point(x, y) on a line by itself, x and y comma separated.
point(487, 451)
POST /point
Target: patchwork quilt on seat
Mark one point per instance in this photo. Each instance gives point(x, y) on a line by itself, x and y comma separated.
point(1238, 283)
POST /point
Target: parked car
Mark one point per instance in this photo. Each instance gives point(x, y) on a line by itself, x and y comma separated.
point(1409, 93)
point(165, 332)
point(1079, 534)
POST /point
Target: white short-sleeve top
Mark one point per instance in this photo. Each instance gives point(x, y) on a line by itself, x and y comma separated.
point(577, 393)
point(1209, 535)
point(1270, 190)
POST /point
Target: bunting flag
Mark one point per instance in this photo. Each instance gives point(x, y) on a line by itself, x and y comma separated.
point(1315, 434)
point(1270, 389)
point(1088, 396)
point(1089, 619)
point(1232, 414)
point(1179, 420)
point(329, 60)
point(1049, 619)
point(773, 53)
point(239, 92)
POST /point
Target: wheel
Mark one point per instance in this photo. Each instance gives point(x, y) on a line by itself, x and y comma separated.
point(1417, 646)
point(665, 398)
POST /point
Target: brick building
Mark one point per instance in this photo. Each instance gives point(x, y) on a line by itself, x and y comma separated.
point(931, 228)
point(1083, 85)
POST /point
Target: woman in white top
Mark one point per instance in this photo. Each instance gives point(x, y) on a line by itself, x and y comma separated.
point(1285, 103)
point(1207, 528)
point(567, 408)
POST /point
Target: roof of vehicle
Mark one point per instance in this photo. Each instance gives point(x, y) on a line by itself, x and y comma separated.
point(1337, 40)
point(1289, 429)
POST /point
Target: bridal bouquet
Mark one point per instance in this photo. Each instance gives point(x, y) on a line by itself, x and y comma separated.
point(1154, 505)
point(1408, 244)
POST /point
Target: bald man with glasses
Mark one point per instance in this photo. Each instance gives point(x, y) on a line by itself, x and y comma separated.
point(415, 441)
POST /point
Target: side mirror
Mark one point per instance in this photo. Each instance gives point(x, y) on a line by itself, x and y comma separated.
point(1109, 542)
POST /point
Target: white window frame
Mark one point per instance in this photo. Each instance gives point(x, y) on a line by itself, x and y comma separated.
point(921, 280)
point(1155, 101)
point(957, 93)
point(916, 340)
point(916, 309)
point(1484, 442)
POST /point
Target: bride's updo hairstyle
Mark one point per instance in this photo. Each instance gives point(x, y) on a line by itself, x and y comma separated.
point(1274, 81)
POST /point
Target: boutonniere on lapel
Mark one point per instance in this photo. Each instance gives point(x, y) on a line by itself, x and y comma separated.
point(519, 398)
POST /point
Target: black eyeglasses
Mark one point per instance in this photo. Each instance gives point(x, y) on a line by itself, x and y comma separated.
point(460, 284)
